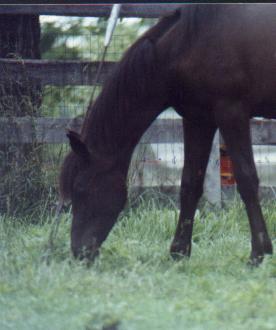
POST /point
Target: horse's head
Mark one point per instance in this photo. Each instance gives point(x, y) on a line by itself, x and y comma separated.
point(97, 190)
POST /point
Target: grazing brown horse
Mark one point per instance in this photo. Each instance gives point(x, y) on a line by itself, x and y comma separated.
point(216, 65)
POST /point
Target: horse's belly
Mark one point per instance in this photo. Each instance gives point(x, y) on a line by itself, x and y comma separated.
point(265, 110)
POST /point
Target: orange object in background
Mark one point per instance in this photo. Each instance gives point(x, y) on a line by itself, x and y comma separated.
point(226, 168)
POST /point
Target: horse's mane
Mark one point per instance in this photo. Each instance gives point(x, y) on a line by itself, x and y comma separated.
point(130, 80)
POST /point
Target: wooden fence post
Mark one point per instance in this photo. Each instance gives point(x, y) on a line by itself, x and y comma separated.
point(212, 185)
point(20, 168)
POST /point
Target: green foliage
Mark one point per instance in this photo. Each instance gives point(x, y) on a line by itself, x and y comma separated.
point(80, 39)
point(57, 40)
point(135, 284)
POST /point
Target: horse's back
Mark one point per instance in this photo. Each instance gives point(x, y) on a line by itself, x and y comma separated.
point(225, 50)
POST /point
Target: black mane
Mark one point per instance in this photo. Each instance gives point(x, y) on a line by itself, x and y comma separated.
point(130, 81)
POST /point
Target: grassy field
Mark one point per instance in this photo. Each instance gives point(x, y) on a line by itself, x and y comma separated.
point(135, 284)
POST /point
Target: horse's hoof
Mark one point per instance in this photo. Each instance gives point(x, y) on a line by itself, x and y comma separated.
point(178, 256)
point(255, 261)
point(179, 253)
point(86, 256)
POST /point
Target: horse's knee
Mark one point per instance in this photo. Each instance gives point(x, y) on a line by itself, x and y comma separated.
point(191, 187)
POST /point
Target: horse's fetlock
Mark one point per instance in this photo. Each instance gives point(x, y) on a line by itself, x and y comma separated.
point(261, 245)
point(265, 242)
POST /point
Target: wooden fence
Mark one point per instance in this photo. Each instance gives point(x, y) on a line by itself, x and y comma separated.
point(76, 73)
point(127, 10)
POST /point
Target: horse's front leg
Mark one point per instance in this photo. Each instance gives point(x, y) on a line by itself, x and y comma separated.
point(198, 137)
point(234, 124)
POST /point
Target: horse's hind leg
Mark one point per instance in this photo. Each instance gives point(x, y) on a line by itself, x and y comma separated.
point(198, 137)
point(234, 124)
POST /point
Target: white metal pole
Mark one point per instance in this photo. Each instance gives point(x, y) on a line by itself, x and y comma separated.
point(113, 18)
point(112, 21)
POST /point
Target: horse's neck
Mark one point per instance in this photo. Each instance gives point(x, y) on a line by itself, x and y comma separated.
point(112, 133)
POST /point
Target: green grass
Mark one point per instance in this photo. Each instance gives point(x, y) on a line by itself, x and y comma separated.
point(135, 284)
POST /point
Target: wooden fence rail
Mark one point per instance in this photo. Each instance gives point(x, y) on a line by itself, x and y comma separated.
point(128, 10)
point(63, 73)
point(56, 73)
point(20, 130)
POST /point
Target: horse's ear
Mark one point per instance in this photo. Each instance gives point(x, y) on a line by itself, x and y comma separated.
point(77, 145)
